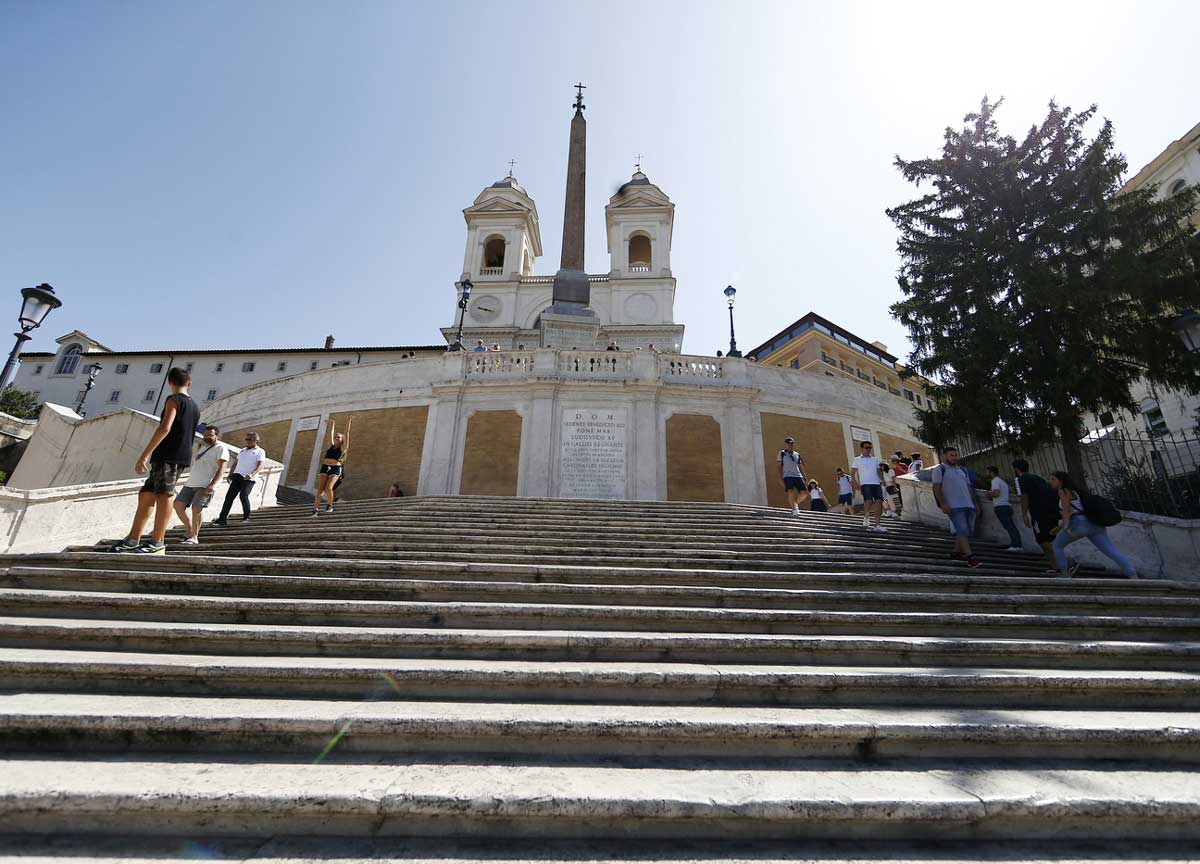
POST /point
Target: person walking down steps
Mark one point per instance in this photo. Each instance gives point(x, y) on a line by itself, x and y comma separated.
point(166, 457)
point(332, 465)
point(1087, 516)
point(791, 474)
point(249, 462)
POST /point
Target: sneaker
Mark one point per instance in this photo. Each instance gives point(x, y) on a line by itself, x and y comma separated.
point(245, 518)
point(316, 513)
point(123, 545)
point(149, 547)
point(189, 541)
point(1014, 549)
point(973, 562)
point(879, 529)
point(866, 523)
point(329, 508)
point(220, 523)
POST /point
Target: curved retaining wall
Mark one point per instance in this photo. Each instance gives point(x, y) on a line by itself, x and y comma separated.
point(572, 423)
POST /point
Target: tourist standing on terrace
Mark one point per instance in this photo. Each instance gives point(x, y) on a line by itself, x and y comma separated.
point(332, 464)
point(166, 457)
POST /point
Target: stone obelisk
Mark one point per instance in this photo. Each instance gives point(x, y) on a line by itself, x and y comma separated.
point(569, 322)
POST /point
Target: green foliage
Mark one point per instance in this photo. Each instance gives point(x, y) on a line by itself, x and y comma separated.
point(19, 403)
point(1033, 292)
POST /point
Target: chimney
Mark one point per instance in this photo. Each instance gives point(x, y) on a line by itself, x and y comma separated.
point(328, 342)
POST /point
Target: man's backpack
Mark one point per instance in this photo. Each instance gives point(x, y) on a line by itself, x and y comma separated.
point(1099, 511)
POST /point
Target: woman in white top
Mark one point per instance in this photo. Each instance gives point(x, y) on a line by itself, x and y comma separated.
point(1076, 525)
point(817, 496)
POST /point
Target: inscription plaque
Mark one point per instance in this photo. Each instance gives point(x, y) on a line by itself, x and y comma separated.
point(592, 461)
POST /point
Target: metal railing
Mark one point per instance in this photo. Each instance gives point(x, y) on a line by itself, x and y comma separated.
point(1136, 470)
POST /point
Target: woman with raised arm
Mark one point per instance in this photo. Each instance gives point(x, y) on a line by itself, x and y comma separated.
point(331, 465)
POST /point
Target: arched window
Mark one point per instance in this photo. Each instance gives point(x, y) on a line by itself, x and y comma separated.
point(639, 252)
point(493, 254)
point(69, 360)
point(1178, 186)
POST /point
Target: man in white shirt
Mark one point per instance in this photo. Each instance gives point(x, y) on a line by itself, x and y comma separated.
point(867, 475)
point(1002, 507)
point(916, 464)
point(207, 467)
point(250, 461)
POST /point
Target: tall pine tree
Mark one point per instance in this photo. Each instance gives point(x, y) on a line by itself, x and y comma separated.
point(1034, 292)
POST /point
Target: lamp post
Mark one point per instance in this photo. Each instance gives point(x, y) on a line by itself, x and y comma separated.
point(463, 300)
point(36, 304)
point(730, 293)
point(93, 370)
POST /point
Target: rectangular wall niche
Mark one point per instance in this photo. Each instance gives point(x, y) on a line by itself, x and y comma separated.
point(695, 469)
point(592, 454)
point(492, 457)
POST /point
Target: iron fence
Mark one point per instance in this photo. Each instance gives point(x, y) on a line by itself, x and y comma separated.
point(1137, 469)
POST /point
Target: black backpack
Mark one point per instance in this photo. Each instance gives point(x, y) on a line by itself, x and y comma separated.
point(1099, 511)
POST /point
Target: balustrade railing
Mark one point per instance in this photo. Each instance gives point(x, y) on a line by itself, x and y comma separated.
point(491, 271)
point(639, 268)
point(593, 362)
point(689, 367)
point(500, 363)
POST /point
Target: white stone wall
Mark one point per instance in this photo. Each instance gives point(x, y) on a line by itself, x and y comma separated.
point(540, 385)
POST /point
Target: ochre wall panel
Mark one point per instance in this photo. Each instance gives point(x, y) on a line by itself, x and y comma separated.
point(822, 446)
point(695, 469)
point(272, 437)
point(385, 448)
point(889, 444)
point(492, 457)
point(302, 451)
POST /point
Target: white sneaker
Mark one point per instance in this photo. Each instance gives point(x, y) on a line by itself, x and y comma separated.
point(795, 511)
point(879, 529)
point(866, 523)
point(1014, 549)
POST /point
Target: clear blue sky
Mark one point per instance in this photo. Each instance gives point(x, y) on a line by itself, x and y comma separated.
point(235, 174)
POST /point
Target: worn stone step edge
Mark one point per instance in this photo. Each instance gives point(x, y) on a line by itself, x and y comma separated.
point(593, 682)
point(300, 729)
point(603, 646)
point(181, 607)
point(436, 799)
point(893, 577)
point(431, 590)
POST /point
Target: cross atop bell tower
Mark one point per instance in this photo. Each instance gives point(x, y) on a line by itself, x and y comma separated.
point(579, 106)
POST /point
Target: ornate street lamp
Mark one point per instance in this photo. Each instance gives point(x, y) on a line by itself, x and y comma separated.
point(36, 304)
point(92, 370)
point(463, 300)
point(730, 293)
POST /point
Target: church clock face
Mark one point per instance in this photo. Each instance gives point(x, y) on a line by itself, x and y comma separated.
point(485, 308)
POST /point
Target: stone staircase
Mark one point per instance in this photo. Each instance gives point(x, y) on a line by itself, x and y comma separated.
point(432, 678)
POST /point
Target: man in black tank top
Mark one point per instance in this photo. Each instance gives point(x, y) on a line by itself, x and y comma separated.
point(165, 459)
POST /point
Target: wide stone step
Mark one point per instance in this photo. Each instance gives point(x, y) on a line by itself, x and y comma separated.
point(578, 734)
point(894, 576)
point(620, 558)
point(499, 644)
point(431, 798)
point(46, 670)
point(534, 616)
point(625, 595)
